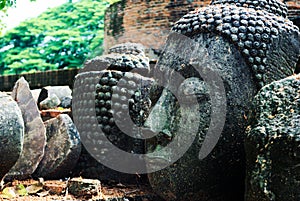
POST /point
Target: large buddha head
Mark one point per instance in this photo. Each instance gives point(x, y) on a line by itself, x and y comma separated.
point(221, 55)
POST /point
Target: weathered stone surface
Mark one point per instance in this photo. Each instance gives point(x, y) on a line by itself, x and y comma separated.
point(111, 102)
point(220, 176)
point(273, 143)
point(62, 149)
point(35, 132)
point(128, 48)
point(106, 85)
point(59, 91)
point(84, 187)
point(123, 57)
point(11, 133)
point(50, 102)
point(211, 42)
point(260, 30)
point(35, 94)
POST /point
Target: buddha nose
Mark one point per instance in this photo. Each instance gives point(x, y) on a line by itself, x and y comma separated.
point(162, 114)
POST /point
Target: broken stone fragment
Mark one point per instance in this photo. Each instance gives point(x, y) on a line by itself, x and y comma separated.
point(273, 143)
point(35, 132)
point(59, 91)
point(62, 150)
point(35, 93)
point(84, 187)
point(11, 133)
point(50, 103)
point(66, 102)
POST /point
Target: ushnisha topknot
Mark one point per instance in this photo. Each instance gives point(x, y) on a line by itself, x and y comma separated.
point(252, 26)
point(272, 6)
point(128, 48)
point(116, 81)
point(118, 94)
point(122, 57)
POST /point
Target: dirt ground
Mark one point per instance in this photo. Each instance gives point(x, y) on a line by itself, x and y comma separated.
point(32, 190)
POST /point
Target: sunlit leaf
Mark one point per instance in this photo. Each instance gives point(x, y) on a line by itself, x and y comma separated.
point(21, 190)
point(8, 193)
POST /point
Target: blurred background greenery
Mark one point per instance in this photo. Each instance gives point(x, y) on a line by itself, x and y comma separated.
point(62, 37)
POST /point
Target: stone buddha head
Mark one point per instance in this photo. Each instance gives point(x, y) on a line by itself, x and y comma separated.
point(223, 54)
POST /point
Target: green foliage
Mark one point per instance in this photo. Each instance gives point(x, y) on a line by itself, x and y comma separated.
point(2, 4)
point(62, 37)
point(7, 3)
point(112, 1)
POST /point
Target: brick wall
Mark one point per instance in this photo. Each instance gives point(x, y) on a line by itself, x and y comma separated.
point(149, 21)
point(294, 11)
point(144, 21)
point(294, 8)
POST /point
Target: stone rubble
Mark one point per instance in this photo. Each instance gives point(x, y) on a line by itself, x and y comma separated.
point(62, 149)
point(35, 132)
point(11, 133)
point(273, 143)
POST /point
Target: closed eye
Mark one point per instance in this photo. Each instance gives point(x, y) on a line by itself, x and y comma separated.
point(193, 88)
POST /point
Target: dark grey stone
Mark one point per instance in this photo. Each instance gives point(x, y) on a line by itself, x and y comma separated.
point(11, 133)
point(62, 149)
point(122, 57)
point(50, 102)
point(66, 102)
point(136, 104)
point(213, 38)
point(35, 132)
point(59, 91)
point(273, 6)
point(106, 85)
point(273, 143)
point(260, 30)
point(86, 188)
point(220, 176)
point(128, 48)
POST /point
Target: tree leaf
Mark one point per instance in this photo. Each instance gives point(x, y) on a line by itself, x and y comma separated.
point(21, 190)
point(8, 193)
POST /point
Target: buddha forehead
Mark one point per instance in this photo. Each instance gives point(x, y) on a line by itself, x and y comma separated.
point(276, 7)
point(191, 57)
